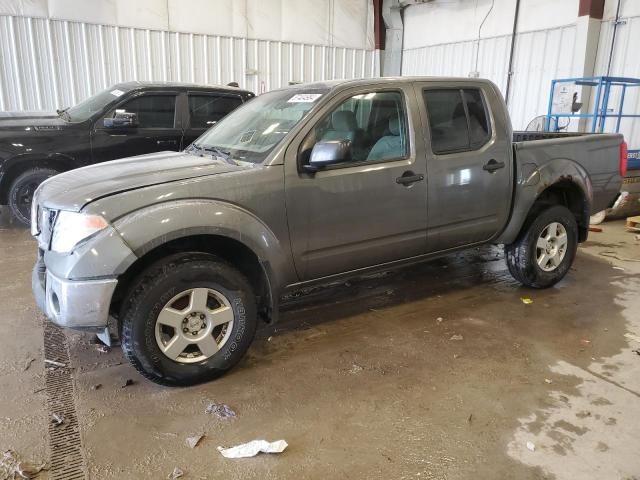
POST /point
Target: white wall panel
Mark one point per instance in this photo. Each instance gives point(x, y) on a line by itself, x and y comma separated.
point(342, 23)
point(624, 63)
point(539, 58)
point(52, 63)
point(540, 54)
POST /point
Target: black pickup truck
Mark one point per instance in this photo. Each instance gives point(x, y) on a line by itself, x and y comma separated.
point(126, 119)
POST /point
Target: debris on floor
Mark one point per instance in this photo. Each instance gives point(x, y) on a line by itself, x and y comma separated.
point(28, 363)
point(102, 348)
point(618, 257)
point(633, 224)
point(595, 229)
point(355, 368)
point(177, 473)
point(547, 380)
point(637, 350)
point(192, 442)
point(456, 337)
point(251, 449)
point(531, 446)
point(54, 363)
point(439, 319)
point(11, 468)
point(127, 383)
point(57, 419)
point(631, 336)
point(221, 410)
point(527, 301)
point(97, 386)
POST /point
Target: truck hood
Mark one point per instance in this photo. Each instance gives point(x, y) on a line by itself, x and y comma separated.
point(22, 120)
point(74, 189)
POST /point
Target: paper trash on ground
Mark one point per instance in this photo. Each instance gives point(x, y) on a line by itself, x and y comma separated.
point(251, 449)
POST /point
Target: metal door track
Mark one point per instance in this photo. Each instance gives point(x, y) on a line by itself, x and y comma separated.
point(67, 460)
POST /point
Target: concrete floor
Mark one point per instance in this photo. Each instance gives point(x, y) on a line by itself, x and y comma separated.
point(365, 380)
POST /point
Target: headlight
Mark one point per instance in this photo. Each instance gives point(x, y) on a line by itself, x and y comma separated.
point(71, 228)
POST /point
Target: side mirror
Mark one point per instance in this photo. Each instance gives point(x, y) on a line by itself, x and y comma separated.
point(328, 153)
point(121, 119)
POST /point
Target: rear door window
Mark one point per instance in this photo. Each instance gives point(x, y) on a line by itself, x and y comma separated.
point(206, 110)
point(479, 129)
point(457, 118)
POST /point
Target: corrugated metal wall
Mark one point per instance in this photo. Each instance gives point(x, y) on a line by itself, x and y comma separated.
point(625, 63)
point(540, 56)
point(52, 63)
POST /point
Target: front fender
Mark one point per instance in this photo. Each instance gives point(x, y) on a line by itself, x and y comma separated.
point(532, 181)
point(151, 227)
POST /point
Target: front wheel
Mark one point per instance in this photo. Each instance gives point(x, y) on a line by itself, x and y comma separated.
point(22, 189)
point(189, 319)
point(545, 249)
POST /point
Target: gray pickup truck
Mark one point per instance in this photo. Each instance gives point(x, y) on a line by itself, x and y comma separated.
point(308, 184)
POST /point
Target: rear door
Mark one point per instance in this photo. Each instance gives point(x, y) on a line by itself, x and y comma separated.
point(157, 130)
point(205, 110)
point(469, 168)
point(370, 208)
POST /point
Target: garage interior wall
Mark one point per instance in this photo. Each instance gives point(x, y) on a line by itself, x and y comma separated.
point(441, 38)
point(55, 53)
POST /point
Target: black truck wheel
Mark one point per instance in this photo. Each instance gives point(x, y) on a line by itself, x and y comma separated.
point(22, 189)
point(545, 249)
point(189, 318)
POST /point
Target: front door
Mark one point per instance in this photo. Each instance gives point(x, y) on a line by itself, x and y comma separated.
point(156, 128)
point(469, 166)
point(368, 208)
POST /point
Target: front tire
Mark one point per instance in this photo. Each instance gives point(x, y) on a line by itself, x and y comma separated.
point(189, 319)
point(22, 189)
point(545, 249)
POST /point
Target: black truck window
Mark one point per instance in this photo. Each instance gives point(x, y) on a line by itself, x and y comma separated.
point(205, 110)
point(457, 119)
point(153, 111)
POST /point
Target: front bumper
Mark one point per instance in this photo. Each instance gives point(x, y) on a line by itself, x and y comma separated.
point(77, 304)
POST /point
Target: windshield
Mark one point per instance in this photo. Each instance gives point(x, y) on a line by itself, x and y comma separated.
point(251, 132)
point(87, 108)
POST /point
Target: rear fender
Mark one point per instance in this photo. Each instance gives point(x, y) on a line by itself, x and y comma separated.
point(532, 181)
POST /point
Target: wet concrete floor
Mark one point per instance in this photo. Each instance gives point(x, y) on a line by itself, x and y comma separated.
point(437, 371)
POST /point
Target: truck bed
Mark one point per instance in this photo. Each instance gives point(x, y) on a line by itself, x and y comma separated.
point(597, 153)
point(524, 136)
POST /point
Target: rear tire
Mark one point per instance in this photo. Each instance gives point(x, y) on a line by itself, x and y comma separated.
point(166, 294)
point(22, 189)
point(537, 259)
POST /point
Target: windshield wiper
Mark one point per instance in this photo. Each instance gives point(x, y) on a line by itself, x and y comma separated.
point(226, 156)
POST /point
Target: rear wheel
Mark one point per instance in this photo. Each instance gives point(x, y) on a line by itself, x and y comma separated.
point(189, 319)
point(22, 189)
point(545, 249)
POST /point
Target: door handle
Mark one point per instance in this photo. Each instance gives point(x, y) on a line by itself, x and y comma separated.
point(166, 142)
point(491, 166)
point(408, 178)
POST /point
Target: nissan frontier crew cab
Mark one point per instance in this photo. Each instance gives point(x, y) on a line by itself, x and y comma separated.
point(189, 251)
point(124, 120)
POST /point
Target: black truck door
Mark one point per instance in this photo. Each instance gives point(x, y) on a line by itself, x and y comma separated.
point(155, 128)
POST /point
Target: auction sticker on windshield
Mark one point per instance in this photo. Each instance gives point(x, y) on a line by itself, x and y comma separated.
point(304, 98)
point(116, 92)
